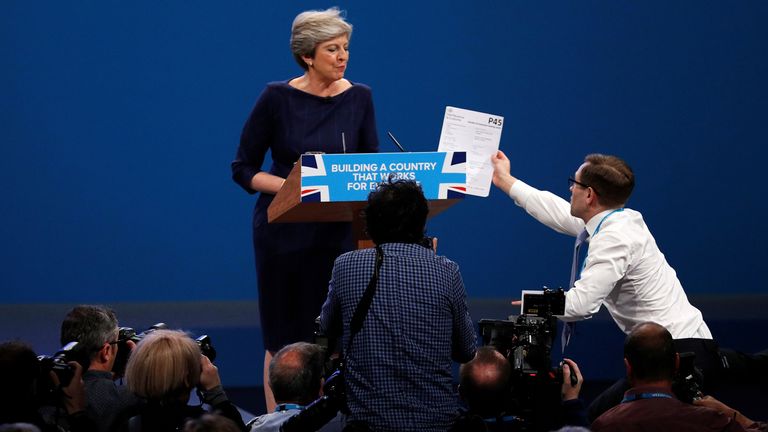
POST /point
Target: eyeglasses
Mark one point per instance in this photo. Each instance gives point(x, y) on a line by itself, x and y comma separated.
point(572, 181)
point(108, 343)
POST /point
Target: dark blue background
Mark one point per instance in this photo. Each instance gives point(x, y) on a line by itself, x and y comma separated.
point(118, 121)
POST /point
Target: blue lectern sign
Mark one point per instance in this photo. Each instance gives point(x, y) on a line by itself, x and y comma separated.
point(351, 177)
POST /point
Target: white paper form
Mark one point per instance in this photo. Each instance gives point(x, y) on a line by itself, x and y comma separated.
point(478, 134)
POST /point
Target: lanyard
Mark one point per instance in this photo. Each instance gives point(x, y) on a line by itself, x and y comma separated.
point(603, 220)
point(288, 406)
point(501, 420)
point(600, 224)
point(638, 396)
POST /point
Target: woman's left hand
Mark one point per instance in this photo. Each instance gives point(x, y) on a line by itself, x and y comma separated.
point(209, 375)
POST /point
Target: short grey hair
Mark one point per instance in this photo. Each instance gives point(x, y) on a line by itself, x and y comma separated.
point(313, 27)
point(91, 326)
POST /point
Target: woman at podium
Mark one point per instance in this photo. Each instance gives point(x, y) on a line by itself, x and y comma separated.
point(319, 111)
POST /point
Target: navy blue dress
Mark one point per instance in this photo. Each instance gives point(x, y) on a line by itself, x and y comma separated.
point(294, 260)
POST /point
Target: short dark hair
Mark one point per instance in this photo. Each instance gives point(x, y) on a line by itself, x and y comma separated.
point(485, 382)
point(396, 212)
point(650, 351)
point(295, 373)
point(91, 326)
point(610, 177)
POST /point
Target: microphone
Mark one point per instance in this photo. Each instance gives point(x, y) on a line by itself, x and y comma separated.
point(395, 141)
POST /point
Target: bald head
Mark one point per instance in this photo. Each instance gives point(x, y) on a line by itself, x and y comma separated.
point(650, 352)
point(484, 382)
point(296, 372)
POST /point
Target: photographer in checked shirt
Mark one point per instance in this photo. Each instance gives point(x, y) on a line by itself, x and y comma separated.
point(398, 368)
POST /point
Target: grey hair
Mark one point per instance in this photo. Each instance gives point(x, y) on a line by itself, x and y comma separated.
point(313, 27)
point(91, 326)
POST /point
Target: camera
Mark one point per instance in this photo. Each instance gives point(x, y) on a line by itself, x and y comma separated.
point(688, 379)
point(526, 342)
point(206, 347)
point(126, 334)
point(322, 410)
point(332, 363)
point(527, 339)
point(59, 364)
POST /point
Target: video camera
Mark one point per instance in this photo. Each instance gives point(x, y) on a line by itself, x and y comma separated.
point(126, 334)
point(526, 341)
point(59, 364)
point(688, 379)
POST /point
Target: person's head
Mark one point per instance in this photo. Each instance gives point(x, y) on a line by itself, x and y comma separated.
point(296, 373)
point(311, 33)
point(602, 182)
point(18, 371)
point(164, 366)
point(211, 423)
point(484, 382)
point(649, 354)
point(396, 212)
point(95, 330)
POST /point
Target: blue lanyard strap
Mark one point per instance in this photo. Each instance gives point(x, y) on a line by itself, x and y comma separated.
point(597, 229)
point(288, 406)
point(604, 218)
point(638, 396)
point(502, 420)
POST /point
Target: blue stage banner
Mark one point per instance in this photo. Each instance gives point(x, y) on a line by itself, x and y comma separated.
point(351, 177)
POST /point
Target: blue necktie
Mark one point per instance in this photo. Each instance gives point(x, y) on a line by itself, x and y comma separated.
point(568, 328)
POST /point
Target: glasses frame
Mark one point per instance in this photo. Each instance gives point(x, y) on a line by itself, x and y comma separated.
point(572, 181)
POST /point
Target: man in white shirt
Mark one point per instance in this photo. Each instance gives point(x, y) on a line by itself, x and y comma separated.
point(624, 268)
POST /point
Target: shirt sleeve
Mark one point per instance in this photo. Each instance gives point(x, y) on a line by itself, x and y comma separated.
point(255, 140)
point(605, 265)
point(464, 337)
point(547, 208)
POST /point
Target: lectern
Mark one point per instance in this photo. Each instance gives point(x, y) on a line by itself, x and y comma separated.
point(335, 187)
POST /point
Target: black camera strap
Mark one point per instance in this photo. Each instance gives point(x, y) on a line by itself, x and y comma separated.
point(361, 311)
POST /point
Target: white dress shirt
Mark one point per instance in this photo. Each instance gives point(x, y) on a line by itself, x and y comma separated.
point(624, 269)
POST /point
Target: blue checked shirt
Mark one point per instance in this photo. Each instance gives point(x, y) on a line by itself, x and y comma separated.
point(398, 372)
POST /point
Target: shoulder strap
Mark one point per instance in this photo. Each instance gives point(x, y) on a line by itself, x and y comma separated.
point(361, 311)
